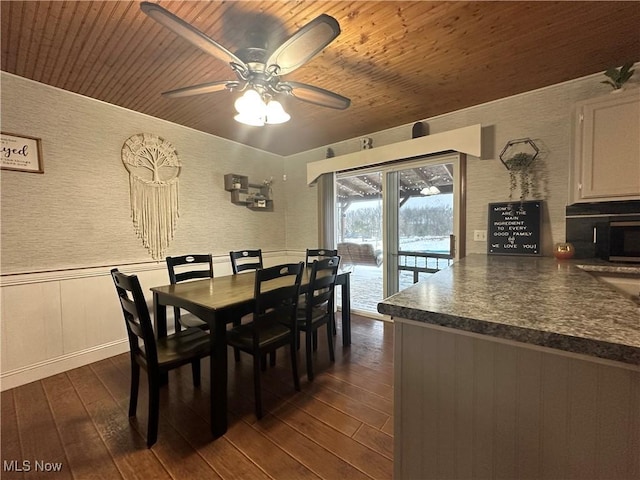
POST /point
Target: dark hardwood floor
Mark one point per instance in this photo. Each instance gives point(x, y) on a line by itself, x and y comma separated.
point(340, 426)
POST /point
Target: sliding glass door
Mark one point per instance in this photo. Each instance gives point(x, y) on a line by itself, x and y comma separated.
point(397, 225)
point(425, 221)
point(359, 237)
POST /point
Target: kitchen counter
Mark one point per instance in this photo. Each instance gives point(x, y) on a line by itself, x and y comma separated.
point(533, 300)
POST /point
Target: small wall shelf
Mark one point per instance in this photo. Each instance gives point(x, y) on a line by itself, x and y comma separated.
point(251, 195)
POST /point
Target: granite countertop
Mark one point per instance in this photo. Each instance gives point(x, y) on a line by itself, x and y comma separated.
point(535, 300)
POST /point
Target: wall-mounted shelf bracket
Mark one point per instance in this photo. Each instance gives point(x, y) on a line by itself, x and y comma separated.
point(251, 195)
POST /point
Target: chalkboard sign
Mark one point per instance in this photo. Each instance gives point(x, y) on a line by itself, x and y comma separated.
point(514, 228)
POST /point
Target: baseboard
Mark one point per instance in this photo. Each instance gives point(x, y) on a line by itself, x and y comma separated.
point(53, 366)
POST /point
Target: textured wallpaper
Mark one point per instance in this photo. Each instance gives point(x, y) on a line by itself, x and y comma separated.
point(77, 213)
point(544, 115)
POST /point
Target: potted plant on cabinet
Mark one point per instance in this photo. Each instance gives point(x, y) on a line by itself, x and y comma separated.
point(618, 76)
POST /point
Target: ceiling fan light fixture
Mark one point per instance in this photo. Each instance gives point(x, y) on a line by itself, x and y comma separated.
point(252, 120)
point(257, 71)
point(250, 103)
point(275, 113)
point(253, 111)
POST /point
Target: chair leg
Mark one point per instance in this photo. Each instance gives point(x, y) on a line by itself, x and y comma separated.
point(333, 323)
point(294, 365)
point(195, 370)
point(332, 355)
point(315, 340)
point(154, 410)
point(309, 355)
point(263, 362)
point(135, 383)
point(257, 361)
point(176, 320)
point(236, 323)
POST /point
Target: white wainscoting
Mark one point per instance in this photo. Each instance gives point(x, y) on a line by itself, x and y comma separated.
point(55, 321)
point(467, 406)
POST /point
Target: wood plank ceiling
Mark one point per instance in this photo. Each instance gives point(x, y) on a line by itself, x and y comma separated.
point(399, 62)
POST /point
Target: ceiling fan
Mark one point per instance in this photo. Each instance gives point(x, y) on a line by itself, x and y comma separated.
point(257, 68)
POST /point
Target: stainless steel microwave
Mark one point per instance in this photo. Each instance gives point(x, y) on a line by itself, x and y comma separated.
point(624, 241)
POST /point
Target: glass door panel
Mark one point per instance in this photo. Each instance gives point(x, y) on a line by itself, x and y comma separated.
point(359, 236)
point(425, 221)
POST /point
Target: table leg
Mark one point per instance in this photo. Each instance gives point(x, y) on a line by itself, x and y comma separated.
point(346, 311)
point(218, 377)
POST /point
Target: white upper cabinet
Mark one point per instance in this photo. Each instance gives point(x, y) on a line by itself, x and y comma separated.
point(607, 148)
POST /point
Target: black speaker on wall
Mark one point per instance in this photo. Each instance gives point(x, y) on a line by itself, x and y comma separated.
point(420, 129)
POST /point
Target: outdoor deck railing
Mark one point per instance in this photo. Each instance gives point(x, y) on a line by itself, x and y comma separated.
point(422, 262)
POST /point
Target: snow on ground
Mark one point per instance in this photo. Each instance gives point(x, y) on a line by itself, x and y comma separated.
point(366, 280)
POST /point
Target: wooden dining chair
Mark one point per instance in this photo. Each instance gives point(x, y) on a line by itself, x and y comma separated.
point(200, 266)
point(274, 321)
point(244, 260)
point(205, 262)
point(318, 254)
point(318, 307)
point(159, 356)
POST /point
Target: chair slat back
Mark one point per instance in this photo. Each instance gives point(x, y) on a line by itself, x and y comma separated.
point(322, 281)
point(243, 260)
point(200, 266)
point(318, 254)
point(136, 316)
point(276, 292)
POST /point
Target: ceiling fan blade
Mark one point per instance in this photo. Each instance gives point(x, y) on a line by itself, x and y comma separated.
point(318, 96)
point(189, 33)
point(202, 88)
point(304, 44)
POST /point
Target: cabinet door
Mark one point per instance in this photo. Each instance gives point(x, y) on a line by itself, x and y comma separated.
point(607, 165)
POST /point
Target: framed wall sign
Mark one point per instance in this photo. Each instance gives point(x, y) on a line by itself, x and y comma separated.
point(514, 228)
point(20, 153)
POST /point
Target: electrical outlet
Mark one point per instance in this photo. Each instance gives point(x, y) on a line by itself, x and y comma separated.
point(479, 235)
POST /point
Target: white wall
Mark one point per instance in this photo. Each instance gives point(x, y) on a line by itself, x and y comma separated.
point(62, 231)
point(543, 115)
point(77, 214)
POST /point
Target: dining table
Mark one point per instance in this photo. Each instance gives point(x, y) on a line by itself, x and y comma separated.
point(217, 301)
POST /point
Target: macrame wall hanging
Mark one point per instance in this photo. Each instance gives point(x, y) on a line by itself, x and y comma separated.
point(154, 168)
